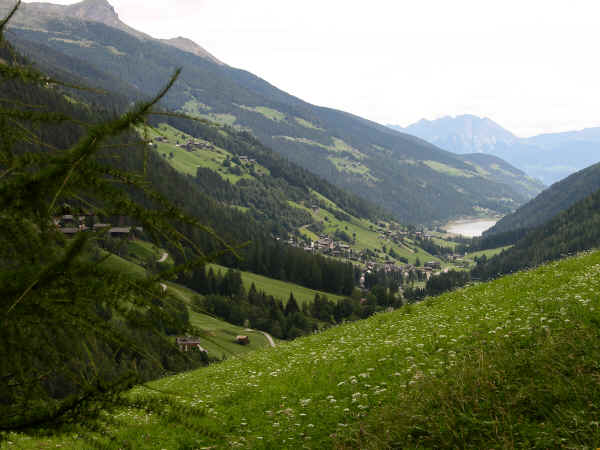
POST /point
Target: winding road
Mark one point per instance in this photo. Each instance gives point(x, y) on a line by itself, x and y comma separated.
point(267, 335)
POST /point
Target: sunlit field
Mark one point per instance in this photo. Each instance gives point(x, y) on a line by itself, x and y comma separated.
point(511, 363)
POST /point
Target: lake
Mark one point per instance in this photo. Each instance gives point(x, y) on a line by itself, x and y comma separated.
point(470, 228)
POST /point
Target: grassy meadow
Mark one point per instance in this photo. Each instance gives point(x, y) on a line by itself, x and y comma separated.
point(506, 364)
point(277, 288)
point(216, 336)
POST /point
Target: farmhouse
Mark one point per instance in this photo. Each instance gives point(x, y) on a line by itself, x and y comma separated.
point(187, 344)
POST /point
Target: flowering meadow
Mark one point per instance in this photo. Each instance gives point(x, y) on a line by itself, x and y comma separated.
point(510, 363)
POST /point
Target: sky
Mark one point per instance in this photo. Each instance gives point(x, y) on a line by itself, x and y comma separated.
point(530, 65)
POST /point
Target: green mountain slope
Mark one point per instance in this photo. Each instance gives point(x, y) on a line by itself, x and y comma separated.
point(573, 230)
point(557, 198)
point(414, 180)
point(497, 169)
point(525, 345)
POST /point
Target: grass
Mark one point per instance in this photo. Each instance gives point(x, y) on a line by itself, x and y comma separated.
point(367, 236)
point(488, 253)
point(277, 288)
point(443, 168)
point(269, 113)
point(337, 145)
point(144, 251)
point(115, 262)
point(216, 336)
point(307, 124)
point(188, 162)
point(508, 364)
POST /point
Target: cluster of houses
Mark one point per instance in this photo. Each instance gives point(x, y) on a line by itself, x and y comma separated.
point(247, 161)
point(70, 225)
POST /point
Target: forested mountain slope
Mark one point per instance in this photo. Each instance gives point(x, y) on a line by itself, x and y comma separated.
point(498, 169)
point(571, 231)
point(414, 180)
point(261, 253)
point(557, 198)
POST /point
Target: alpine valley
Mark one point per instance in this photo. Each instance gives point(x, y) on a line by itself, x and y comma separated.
point(192, 258)
point(415, 181)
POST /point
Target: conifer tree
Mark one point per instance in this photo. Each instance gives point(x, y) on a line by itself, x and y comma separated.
point(75, 333)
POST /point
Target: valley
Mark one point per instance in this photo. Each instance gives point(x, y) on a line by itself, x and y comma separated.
point(191, 257)
point(325, 388)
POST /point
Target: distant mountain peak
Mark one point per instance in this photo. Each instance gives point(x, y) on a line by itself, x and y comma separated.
point(187, 45)
point(95, 11)
point(36, 15)
point(464, 133)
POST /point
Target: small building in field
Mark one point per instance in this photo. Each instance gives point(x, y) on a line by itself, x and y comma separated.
point(187, 344)
point(242, 340)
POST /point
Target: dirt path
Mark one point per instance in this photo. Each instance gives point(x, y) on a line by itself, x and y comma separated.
point(267, 335)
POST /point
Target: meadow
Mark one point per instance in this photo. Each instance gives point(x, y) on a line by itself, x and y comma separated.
point(505, 364)
point(279, 289)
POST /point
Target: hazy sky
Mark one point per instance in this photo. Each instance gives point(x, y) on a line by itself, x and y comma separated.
point(530, 65)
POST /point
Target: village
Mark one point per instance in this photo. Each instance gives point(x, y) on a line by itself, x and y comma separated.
point(369, 261)
point(70, 225)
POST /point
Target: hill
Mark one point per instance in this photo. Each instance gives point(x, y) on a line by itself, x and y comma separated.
point(542, 156)
point(573, 230)
point(525, 345)
point(557, 198)
point(497, 169)
point(417, 182)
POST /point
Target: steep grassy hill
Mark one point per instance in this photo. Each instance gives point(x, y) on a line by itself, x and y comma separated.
point(506, 364)
point(414, 180)
point(557, 198)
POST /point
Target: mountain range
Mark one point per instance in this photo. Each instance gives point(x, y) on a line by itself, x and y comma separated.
point(414, 180)
point(548, 157)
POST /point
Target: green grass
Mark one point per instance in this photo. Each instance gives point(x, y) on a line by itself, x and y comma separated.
point(217, 336)
point(114, 262)
point(269, 113)
point(337, 145)
point(307, 124)
point(508, 364)
point(367, 236)
point(188, 162)
point(277, 288)
point(144, 251)
point(489, 253)
point(443, 168)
